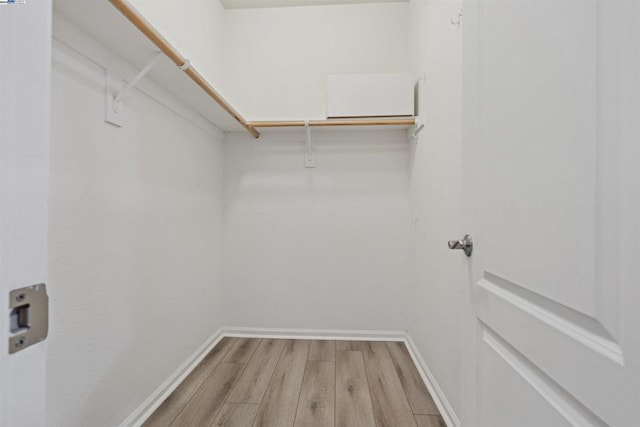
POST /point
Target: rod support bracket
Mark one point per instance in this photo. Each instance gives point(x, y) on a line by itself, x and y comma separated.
point(415, 130)
point(114, 108)
point(309, 152)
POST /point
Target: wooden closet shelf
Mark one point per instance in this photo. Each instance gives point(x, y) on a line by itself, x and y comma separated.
point(129, 12)
point(121, 28)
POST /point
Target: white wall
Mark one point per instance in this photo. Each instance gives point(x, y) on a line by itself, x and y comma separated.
point(322, 248)
point(277, 59)
point(436, 195)
point(134, 244)
point(313, 248)
point(195, 28)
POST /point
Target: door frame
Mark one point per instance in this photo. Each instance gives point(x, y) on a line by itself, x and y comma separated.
point(25, 81)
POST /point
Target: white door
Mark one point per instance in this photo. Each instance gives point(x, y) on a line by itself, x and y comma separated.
point(25, 64)
point(551, 142)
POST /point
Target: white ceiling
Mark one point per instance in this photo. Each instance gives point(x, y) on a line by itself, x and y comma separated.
point(254, 4)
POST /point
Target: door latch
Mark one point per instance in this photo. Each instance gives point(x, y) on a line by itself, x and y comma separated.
point(28, 316)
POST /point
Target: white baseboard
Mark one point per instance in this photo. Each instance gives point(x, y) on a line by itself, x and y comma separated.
point(147, 408)
point(156, 398)
point(318, 334)
point(445, 408)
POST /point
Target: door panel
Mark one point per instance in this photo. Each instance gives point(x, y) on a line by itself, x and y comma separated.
point(539, 115)
point(532, 397)
point(550, 146)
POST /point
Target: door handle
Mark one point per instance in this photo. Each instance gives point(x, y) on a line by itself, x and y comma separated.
point(466, 244)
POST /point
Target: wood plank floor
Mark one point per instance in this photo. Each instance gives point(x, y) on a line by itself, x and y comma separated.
point(247, 382)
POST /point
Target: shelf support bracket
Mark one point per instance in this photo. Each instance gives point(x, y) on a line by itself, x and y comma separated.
point(114, 107)
point(413, 134)
point(309, 152)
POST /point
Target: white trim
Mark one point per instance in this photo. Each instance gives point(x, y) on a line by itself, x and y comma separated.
point(318, 334)
point(147, 407)
point(445, 408)
point(156, 398)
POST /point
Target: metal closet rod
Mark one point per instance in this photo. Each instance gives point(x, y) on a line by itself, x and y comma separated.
point(404, 121)
point(156, 38)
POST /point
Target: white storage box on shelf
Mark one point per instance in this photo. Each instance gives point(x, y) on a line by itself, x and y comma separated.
point(370, 95)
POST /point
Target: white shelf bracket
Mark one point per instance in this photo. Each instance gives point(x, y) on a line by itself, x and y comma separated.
point(414, 131)
point(309, 152)
point(114, 107)
point(413, 134)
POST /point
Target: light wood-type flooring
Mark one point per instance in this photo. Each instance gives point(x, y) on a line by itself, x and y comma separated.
point(272, 382)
